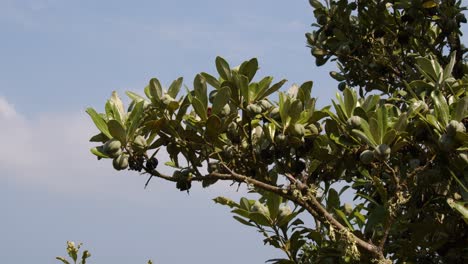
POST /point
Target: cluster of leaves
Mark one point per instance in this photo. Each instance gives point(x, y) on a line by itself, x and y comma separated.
point(403, 153)
point(375, 42)
point(399, 156)
point(73, 252)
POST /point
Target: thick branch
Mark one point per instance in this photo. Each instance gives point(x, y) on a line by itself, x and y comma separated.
point(309, 202)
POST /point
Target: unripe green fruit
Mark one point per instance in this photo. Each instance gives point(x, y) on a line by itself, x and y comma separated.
point(212, 96)
point(167, 99)
point(121, 162)
point(139, 143)
point(226, 110)
point(348, 208)
point(280, 139)
point(367, 156)
point(228, 152)
point(275, 114)
point(382, 152)
point(283, 212)
point(354, 122)
point(463, 157)
point(420, 106)
point(453, 127)
point(297, 130)
point(254, 109)
point(265, 105)
point(447, 143)
point(112, 148)
point(313, 129)
point(258, 207)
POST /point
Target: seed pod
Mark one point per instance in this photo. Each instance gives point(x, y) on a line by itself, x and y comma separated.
point(121, 162)
point(280, 139)
point(297, 130)
point(226, 110)
point(453, 127)
point(382, 152)
point(348, 208)
point(265, 105)
point(258, 207)
point(254, 109)
point(354, 122)
point(313, 129)
point(283, 212)
point(367, 156)
point(139, 143)
point(167, 99)
point(112, 148)
point(275, 114)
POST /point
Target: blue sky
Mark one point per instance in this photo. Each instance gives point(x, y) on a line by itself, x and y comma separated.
point(59, 57)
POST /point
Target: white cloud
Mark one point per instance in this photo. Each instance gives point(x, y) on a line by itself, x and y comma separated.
point(51, 152)
point(7, 110)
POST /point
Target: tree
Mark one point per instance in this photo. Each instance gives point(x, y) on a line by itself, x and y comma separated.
point(395, 136)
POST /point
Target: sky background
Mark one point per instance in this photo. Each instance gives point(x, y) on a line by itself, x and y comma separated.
point(58, 57)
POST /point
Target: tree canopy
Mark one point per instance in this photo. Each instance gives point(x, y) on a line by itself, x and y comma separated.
point(395, 136)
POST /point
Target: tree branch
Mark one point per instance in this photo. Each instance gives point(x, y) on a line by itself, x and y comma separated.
point(309, 202)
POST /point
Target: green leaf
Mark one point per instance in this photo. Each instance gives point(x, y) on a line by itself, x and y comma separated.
point(117, 107)
point(213, 126)
point(200, 109)
point(275, 87)
point(342, 215)
point(98, 121)
point(211, 80)
point(249, 68)
point(155, 89)
point(449, 68)
point(349, 102)
point(460, 109)
point(135, 118)
point(242, 220)
point(370, 141)
point(245, 204)
point(241, 212)
point(63, 260)
point(134, 96)
point(375, 130)
point(200, 89)
point(84, 256)
point(117, 131)
point(429, 68)
point(221, 99)
point(273, 202)
point(260, 219)
point(243, 84)
point(175, 87)
point(295, 110)
point(99, 138)
point(98, 152)
point(441, 107)
point(461, 207)
point(263, 86)
point(223, 68)
point(225, 201)
point(333, 200)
